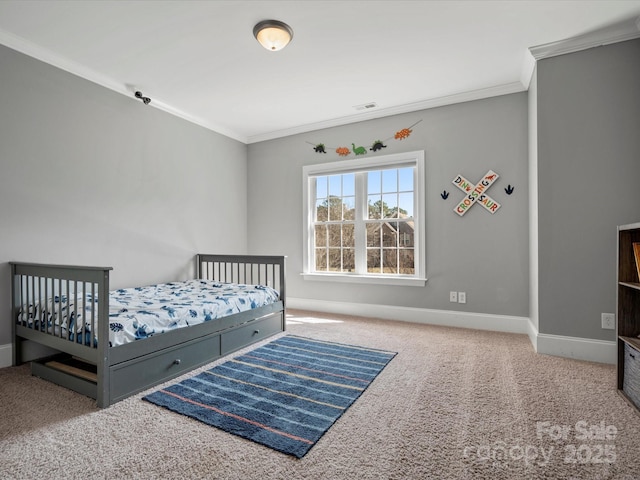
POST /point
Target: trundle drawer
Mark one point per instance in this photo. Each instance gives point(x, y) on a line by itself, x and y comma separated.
point(253, 332)
point(144, 372)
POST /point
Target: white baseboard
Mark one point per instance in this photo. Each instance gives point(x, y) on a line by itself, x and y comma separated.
point(6, 357)
point(569, 347)
point(601, 351)
point(447, 318)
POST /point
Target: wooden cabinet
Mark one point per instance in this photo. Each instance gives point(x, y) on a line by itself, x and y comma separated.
point(628, 314)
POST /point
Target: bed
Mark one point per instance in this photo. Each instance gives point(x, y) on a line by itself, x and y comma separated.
point(60, 325)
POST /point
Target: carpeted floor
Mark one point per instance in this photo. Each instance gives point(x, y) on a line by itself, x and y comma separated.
point(452, 404)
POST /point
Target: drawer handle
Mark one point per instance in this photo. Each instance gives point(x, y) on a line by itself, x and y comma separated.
point(256, 332)
point(177, 361)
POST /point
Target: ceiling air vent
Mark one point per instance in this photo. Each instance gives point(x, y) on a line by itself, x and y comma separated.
point(366, 106)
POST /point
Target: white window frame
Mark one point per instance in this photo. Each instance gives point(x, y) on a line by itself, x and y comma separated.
point(415, 159)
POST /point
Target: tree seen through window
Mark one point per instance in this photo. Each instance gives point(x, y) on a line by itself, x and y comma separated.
point(388, 224)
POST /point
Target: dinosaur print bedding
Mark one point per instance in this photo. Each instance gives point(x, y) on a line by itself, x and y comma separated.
point(140, 312)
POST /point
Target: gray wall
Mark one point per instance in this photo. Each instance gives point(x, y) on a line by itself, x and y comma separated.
point(482, 254)
point(89, 176)
point(588, 166)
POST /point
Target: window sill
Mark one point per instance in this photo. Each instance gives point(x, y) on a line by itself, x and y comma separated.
point(366, 279)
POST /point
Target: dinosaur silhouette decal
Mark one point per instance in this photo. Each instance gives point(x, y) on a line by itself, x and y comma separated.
point(377, 145)
point(359, 150)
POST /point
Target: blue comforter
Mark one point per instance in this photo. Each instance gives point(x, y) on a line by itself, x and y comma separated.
point(137, 313)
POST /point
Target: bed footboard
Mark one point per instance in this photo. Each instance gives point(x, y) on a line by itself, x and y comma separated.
point(43, 312)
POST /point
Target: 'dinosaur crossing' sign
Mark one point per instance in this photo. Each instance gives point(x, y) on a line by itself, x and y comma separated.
point(476, 193)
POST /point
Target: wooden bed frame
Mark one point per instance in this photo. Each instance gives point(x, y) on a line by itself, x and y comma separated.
point(110, 374)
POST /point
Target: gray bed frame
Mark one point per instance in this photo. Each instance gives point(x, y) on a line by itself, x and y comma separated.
point(110, 374)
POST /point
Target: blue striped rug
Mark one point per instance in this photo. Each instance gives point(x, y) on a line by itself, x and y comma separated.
point(285, 394)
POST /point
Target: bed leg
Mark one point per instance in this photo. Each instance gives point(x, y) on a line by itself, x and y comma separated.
point(103, 394)
point(17, 352)
point(15, 308)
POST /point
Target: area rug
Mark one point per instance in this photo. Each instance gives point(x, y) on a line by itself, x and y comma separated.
point(285, 394)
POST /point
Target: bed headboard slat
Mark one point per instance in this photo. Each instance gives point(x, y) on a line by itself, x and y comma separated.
point(266, 270)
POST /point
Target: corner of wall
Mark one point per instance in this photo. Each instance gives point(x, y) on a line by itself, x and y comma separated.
point(532, 332)
point(533, 201)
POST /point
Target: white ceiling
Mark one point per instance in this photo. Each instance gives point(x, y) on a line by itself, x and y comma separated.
point(199, 60)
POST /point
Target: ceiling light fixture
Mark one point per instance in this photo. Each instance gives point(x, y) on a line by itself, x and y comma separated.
point(272, 34)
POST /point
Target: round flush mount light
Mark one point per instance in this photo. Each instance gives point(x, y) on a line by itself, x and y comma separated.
point(273, 34)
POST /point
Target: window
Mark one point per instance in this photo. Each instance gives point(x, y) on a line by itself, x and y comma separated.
point(365, 220)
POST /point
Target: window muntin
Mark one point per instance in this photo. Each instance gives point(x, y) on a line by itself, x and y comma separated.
point(365, 219)
point(334, 223)
point(390, 224)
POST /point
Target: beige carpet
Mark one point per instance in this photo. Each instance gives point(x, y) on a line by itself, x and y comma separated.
point(453, 404)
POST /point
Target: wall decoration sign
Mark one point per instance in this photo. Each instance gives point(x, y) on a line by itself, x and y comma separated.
point(476, 193)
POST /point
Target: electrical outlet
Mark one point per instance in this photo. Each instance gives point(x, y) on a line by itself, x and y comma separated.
point(453, 297)
point(609, 321)
point(462, 297)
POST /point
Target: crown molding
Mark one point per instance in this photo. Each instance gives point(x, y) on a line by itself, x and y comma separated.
point(622, 31)
point(619, 32)
point(32, 50)
point(479, 94)
point(528, 68)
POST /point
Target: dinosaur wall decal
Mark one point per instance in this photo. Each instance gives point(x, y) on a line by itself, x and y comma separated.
point(359, 150)
point(377, 145)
